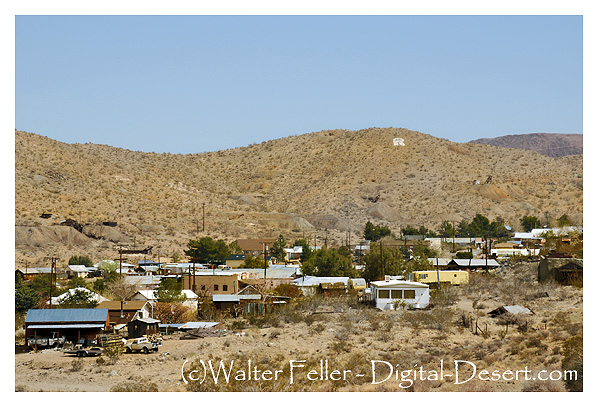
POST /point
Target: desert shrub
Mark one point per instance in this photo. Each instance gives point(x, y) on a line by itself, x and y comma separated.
point(113, 351)
point(436, 319)
point(341, 346)
point(573, 359)
point(317, 328)
point(100, 361)
point(144, 386)
point(238, 324)
point(76, 365)
point(446, 296)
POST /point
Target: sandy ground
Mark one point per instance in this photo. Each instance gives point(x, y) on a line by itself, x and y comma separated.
point(349, 338)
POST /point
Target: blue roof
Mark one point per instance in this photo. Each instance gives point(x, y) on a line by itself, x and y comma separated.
point(66, 315)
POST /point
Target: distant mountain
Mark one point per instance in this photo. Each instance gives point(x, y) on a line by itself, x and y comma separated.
point(314, 186)
point(549, 144)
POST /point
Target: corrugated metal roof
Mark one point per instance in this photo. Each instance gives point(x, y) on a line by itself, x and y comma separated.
point(198, 325)
point(476, 262)
point(66, 315)
point(317, 280)
point(148, 320)
point(399, 284)
point(517, 309)
point(65, 326)
point(225, 298)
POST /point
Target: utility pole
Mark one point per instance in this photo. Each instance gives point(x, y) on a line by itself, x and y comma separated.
point(326, 237)
point(203, 217)
point(453, 231)
point(52, 278)
point(382, 264)
point(120, 261)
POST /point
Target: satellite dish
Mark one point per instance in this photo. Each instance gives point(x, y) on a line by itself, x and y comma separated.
point(398, 141)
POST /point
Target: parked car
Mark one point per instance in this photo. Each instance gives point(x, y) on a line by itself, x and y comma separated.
point(141, 344)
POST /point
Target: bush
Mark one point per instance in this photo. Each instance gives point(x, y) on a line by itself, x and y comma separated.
point(145, 386)
point(446, 296)
point(572, 352)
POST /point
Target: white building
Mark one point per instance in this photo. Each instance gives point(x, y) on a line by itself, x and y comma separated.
point(388, 294)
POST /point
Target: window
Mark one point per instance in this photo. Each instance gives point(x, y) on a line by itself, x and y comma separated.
point(409, 294)
point(383, 293)
point(455, 275)
point(225, 288)
point(215, 288)
point(396, 294)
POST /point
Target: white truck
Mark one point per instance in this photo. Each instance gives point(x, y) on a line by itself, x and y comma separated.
point(141, 344)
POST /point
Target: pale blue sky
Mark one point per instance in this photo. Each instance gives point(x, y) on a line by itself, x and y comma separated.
point(188, 84)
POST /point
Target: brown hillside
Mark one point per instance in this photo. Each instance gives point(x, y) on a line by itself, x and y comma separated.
point(549, 144)
point(297, 186)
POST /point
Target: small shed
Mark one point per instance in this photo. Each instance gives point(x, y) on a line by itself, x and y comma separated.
point(511, 310)
point(141, 327)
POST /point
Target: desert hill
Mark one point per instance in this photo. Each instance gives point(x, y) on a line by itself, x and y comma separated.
point(550, 144)
point(298, 186)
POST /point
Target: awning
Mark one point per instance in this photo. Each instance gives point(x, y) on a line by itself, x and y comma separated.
point(66, 326)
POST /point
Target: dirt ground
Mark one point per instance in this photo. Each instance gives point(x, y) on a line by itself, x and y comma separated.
point(349, 337)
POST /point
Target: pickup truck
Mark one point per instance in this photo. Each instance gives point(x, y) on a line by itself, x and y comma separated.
point(85, 352)
point(141, 344)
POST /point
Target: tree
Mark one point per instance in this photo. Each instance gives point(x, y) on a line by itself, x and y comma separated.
point(529, 222)
point(328, 262)
point(25, 297)
point(169, 291)
point(375, 232)
point(252, 262)
point(564, 221)
point(278, 249)
point(108, 269)
point(169, 313)
point(381, 261)
point(78, 299)
point(234, 248)
point(206, 250)
point(121, 290)
point(77, 282)
point(41, 284)
point(306, 250)
point(81, 260)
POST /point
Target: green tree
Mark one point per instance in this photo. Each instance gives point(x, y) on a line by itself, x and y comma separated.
point(207, 250)
point(529, 222)
point(446, 229)
point(328, 262)
point(41, 284)
point(234, 248)
point(278, 249)
point(375, 232)
point(306, 250)
point(109, 270)
point(564, 221)
point(169, 291)
point(25, 297)
point(383, 261)
point(77, 282)
point(252, 262)
point(81, 260)
point(79, 299)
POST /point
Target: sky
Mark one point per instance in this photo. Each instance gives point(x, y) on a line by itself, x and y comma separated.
point(192, 84)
